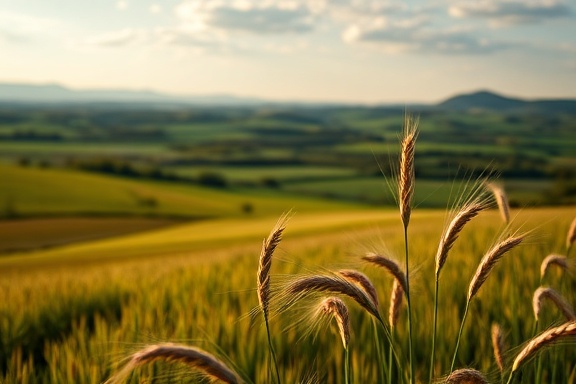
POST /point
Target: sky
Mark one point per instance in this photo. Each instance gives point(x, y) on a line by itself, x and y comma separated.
point(359, 51)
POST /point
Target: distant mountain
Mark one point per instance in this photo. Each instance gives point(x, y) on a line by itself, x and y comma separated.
point(54, 93)
point(489, 101)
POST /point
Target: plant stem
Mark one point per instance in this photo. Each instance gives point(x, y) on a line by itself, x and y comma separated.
point(411, 379)
point(347, 365)
point(272, 353)
point(381, 358)
point(390, 364)
point(459, 336)
point(510, 378)
point(432, 355)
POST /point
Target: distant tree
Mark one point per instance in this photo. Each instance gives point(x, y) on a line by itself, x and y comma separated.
point(212, 179)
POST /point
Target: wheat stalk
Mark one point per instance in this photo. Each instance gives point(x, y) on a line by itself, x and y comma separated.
point(390, 265)
point(545, 339)
point(362, 280)
point(193, 357)
point(548, 293)
point(466, 376)
point(553, 259)
point(333, 306)
point(501, 200)
point(498, 346)
point(488, 262)
point(395, 302)
point(463, 216)
point(306, 285)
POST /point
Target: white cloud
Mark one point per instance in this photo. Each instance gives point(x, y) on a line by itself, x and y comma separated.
point(155, 8)
point(511, 11)
point(121, 5)
point(416, 36)
point(118, 38)
point(263, 17)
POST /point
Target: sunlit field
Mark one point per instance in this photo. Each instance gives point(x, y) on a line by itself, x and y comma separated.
point(78, 323)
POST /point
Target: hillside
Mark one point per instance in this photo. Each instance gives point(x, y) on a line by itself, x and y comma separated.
point(489, 101)
point(30, 191)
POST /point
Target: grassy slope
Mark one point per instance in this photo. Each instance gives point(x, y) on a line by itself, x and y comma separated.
point(179, 239)
point(33, 191)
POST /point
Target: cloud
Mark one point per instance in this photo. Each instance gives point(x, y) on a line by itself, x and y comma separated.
point(19, 27)
point(263, 17)
point(415, 36)
point(118, 38)
point(155, 8)
point(121, 5)
point(511, 12)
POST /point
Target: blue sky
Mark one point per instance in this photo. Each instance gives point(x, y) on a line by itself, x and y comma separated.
point(318, 50)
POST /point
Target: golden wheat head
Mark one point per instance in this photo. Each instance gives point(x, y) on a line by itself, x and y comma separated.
point(545, 339)
point(501, 199)
point(390, 265)
point(488, 262)
point(265, 263)
point(193, 357)
point(406, 177)
point(466, 376)
point(553, 259)
point(463, 215)
point(548, 293)
point(498, 346)
point(362, 280)
point(395, 303)
point(314, 284)
point(571, 237)
point(334, 307)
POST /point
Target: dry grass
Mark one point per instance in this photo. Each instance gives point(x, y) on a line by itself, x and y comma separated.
point(571, 236)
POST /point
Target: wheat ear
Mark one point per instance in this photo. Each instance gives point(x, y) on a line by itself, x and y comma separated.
point(501, 199)
point(362, 280)
point(545, 339)
point(406, 178)
point(265, 263)
point(489, 261)
point(390, 265)
point(191, 356)
point(451, 233)
point(498, 346)
point(395, 303)
point(466, 376)
point(548, 293)
point(571, 237)
point(553, 259)
point(333, 306)
point(307, 285)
